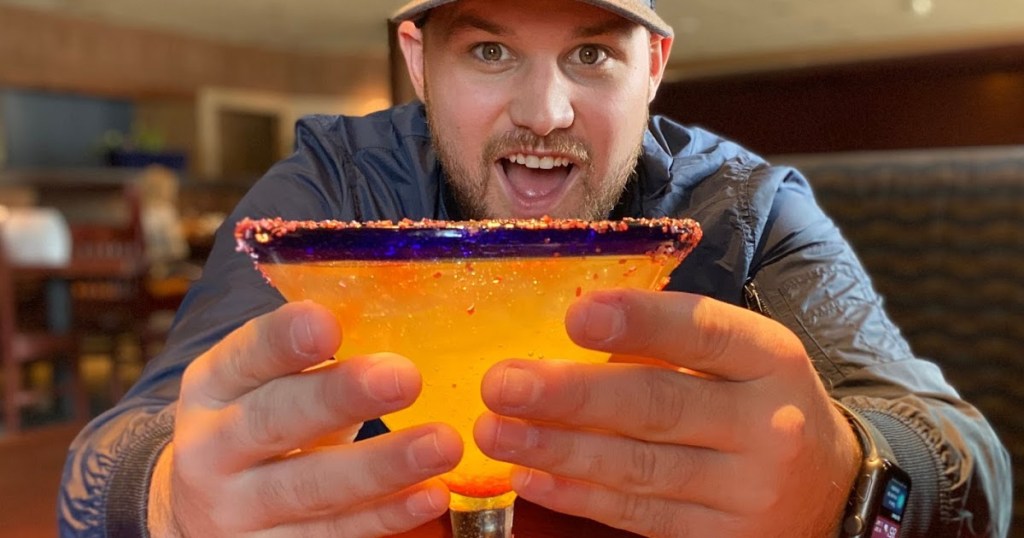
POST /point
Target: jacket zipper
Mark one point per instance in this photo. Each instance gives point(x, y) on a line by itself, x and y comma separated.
point(754, 301)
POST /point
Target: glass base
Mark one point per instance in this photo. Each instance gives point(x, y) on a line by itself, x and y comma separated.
point(465, 503)
point(488, 523)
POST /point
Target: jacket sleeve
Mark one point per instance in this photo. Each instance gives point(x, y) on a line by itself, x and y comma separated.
point(808, 278)
point(105, 484)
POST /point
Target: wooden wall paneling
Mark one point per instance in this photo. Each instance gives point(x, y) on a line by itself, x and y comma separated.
point(956, 99)
point(40, 50)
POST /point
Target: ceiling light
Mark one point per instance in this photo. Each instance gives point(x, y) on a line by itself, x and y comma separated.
point(922, 8)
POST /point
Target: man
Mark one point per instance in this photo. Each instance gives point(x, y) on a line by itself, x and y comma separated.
point(539, 107)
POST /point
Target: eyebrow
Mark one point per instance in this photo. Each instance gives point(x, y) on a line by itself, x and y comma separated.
point(468, 21)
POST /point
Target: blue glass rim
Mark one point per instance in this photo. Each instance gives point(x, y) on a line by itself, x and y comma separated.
point(283, 241)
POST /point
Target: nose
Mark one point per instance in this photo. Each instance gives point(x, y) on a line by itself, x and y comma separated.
point(543, 101)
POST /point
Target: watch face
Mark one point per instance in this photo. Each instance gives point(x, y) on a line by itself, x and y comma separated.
point(895, 490)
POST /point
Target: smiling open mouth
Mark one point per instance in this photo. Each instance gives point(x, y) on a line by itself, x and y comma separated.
point(537, 183)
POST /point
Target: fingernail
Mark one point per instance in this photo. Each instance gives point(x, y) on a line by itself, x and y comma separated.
point(302, 336)
point(519, 388)
point(428, 502)
point(603, 322)
point(426, 454)
point(512, 436)
point(381, 381)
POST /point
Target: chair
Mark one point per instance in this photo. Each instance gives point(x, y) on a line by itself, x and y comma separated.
point(113, 293)
point(107, 289)
point(110, 296)
point(19, 347)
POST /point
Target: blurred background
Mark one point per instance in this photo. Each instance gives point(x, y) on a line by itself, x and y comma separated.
point(129, 128)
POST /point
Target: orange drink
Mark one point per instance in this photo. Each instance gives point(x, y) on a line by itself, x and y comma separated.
point(456, 298)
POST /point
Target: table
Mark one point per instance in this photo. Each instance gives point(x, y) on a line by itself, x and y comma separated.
point(57, 279)
point(60, 312)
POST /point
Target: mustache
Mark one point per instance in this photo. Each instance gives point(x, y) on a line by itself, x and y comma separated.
point(523, 141)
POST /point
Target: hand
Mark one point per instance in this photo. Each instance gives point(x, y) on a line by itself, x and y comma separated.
point(232, 468)
point(725, 430)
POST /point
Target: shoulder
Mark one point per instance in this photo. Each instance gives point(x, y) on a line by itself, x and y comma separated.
point(678, 141)
point(389, 129)
point(379, 166)
point(733, 192)
point(685, 166)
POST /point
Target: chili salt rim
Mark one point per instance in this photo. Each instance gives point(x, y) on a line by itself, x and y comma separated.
point(297, 241)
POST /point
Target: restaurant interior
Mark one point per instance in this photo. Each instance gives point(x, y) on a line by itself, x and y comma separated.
point(129, 129)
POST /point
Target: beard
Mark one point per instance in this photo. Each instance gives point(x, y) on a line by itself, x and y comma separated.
point(472, 186)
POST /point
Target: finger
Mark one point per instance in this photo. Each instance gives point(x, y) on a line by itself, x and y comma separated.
point(644, 515)
point(333, 480)
point(298, 410)
point(399, 513)
point(292, 338)
point(639, 401)
point(681, 473)
point(683, 329)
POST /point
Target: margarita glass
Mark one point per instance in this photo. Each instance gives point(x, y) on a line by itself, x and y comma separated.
point(458, 297)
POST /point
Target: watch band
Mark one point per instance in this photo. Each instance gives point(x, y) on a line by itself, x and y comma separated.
point(880, 491)
point(872, 441)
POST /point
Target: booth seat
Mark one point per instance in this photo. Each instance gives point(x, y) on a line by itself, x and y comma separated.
point(941, 232)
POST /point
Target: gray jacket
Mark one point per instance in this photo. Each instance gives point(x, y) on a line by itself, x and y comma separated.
point(767, 245)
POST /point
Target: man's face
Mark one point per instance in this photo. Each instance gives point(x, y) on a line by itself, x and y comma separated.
point(537, 107)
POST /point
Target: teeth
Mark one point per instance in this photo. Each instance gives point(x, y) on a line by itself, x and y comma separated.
point(533, 161)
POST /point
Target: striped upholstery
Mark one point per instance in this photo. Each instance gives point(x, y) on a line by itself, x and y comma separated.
point(942, 234)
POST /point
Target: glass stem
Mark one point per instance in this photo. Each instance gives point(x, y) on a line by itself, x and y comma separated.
point(488, 523)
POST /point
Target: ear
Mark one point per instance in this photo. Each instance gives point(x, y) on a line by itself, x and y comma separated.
point(410, 38)
point(661, 48)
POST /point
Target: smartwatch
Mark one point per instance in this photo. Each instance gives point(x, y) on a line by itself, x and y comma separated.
point(879, 498)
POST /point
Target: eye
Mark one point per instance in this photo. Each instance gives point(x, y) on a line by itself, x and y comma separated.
point(491, 52)
point(590, 55)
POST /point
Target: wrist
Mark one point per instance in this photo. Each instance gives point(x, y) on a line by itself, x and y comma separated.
point(160, 520)
point(851, 456)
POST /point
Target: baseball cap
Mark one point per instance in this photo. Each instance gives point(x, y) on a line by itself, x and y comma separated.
point(638, 11)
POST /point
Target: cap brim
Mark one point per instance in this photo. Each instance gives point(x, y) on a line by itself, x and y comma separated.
point(629, 9)
point(416, 9)
point(633, 10)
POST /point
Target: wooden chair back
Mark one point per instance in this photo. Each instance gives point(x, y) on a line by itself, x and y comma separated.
point(20, 346)
point(110, 261)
